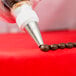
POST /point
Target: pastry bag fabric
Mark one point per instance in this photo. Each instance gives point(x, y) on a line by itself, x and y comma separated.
point(5, 15)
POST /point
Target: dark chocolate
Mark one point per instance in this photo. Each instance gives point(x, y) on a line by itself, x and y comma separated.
point(61, 45)
point(54, 47)
point(74, 44)
point(69, 45)
point(44, 48)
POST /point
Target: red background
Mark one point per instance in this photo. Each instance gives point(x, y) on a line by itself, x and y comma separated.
point(20, 56)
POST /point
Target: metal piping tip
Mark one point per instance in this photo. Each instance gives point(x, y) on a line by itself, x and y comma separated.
point(34, 31)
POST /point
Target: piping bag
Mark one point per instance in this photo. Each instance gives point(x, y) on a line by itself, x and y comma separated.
point(22, 13)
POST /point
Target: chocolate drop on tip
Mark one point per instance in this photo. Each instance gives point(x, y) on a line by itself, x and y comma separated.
point(69, 45)
point(44, 48)
point(61, 45)
point(54, 47)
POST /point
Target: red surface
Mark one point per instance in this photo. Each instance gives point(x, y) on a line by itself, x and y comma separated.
point(20, 56)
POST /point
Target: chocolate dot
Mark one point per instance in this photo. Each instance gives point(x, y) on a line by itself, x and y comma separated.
point(54, 47)
point(44, 48)
point(74, 44)
point(61, 45)
point(69, 45)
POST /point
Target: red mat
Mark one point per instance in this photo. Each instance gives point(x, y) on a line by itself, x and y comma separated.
point(20, 56)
